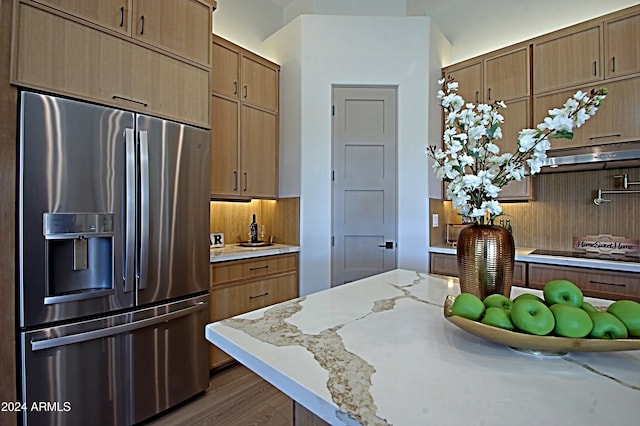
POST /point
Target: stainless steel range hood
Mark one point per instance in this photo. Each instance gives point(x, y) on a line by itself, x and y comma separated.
point(597, 157)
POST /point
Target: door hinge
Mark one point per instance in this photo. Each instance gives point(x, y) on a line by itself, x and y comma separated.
point(333, 241)
point(333, 175)
point(333, 110)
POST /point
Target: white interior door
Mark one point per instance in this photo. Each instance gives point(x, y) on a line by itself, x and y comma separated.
point(364, 182)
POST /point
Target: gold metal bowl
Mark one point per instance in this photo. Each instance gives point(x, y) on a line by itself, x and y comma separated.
point(545, 345)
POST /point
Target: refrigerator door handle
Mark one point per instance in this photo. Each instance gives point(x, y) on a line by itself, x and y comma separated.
point(37, 345)
point(144, 210)
point(130, 211)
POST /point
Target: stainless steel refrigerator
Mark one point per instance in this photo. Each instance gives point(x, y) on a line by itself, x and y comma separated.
point(113, 262)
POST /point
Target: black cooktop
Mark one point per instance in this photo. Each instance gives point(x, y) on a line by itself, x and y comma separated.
point(588, 255)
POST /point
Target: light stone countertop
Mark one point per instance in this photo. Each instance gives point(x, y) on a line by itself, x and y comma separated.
point(523, 254)
point(236, 252)
point(379, 351)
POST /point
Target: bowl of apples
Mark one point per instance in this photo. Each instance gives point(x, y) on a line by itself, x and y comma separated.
point(557, 323)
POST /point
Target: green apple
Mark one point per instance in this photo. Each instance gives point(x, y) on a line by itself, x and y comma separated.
point(528, 296)
point(497, 317)
point(468, 306)
point(628, 312)
point(497, 300)
point(562, 291)
point(588, 307)
point(571, 321)
point(532, 316)
point(607, 326)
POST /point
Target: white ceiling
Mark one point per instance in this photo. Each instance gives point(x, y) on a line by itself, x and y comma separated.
point(428, 4)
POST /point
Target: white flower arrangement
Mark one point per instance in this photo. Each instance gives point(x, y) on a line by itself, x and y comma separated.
point(472, 163)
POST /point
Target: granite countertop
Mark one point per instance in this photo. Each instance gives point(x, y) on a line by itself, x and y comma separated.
point(237, 252)
point(379, 351)
point(524, 254)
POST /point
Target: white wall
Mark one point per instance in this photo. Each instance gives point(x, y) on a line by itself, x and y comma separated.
point(354, 50)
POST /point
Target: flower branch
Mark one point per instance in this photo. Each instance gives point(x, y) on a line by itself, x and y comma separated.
point(471, 162)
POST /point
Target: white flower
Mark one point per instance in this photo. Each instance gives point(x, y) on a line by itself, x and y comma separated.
point(470, 160)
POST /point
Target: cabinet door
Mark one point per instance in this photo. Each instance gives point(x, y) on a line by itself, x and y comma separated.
point(615, 121)
point(516, 117)
point(68, 58)
point(567, 61)
point(469, 80)
point(621, 46)
point(226, 66)
point(507, 76)
point(113, 14)
point(182, 27)
point(260, 84)
point(259, 153)
point(224, 146)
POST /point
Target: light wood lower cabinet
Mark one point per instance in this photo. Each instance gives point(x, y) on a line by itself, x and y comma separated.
point(605, 284)
point(447, 264)
point(245, 285)
point(444, 264)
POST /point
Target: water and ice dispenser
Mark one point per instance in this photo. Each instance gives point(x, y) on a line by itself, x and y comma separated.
point(79, 255)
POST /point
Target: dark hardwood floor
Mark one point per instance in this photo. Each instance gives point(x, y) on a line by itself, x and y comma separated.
point(235, 397)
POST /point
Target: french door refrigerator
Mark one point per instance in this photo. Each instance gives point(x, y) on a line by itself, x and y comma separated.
point(113, 262)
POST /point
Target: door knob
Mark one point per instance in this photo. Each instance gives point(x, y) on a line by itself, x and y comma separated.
point(387, 245)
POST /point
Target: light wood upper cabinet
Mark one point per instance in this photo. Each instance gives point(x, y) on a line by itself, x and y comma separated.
point(493, 77)
point(622, 46)
point(247, 86)
point(181, 27)
point(244, 164)
point(243, 75)
point(567, 60)
point(259, 83)
point(63, 56)
point(226, 70)
point(516, 117)
point(259, 153)
point(616, 120)
point(225, 147)
point(112, 14)
point(470, 82)
point(507, 76)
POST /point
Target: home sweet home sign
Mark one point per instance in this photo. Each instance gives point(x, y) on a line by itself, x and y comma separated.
point(604, 243)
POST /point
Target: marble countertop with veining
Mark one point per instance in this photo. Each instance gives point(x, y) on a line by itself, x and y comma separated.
point(379, 351)
point(238, 252)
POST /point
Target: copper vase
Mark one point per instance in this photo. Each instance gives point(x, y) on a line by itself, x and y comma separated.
point(485, 255)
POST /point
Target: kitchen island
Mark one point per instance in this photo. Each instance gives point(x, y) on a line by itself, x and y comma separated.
point(379, 351)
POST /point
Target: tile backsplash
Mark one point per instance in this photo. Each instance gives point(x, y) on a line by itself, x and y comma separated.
point(563, 208)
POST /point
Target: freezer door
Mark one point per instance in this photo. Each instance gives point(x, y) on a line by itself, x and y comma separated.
point(70, 224)
point(116, 370)
point(174, 210)
point(170, 362)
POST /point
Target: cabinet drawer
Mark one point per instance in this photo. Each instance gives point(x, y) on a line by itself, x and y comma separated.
point(593, 282)
point(244, 297)
point(235, 270)
point(239, 298)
